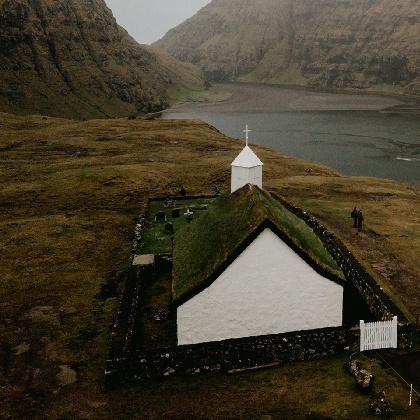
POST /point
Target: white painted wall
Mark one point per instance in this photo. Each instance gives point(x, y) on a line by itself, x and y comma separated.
point(269, 289)
point(243, 176)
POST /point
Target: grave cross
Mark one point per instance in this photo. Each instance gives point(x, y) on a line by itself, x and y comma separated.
point(247, 131)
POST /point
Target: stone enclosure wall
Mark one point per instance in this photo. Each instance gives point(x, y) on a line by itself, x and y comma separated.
point(229, 355)
point(378, 302)
point(127, 365)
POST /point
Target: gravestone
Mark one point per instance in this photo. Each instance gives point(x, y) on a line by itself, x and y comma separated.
point(189, 215)
point(160, 217)
point(169, 228)
point(169, 203)
point(176, 213)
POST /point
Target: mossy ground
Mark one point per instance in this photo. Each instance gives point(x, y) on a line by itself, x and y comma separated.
point(70, 194)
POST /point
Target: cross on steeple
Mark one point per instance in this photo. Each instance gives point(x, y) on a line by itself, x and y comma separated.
point(247, 131)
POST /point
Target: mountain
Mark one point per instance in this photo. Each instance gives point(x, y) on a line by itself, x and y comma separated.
point(363, 44)
point(70, 58)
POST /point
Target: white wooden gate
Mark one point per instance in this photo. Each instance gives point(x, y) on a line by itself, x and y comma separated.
point(379, 335)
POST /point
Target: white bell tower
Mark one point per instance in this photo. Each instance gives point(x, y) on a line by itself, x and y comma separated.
point(246, 168)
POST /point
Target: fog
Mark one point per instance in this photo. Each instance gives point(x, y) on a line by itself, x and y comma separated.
point(148, 20)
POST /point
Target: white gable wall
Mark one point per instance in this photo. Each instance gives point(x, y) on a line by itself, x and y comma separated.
point(243, 176)
point(268, 289)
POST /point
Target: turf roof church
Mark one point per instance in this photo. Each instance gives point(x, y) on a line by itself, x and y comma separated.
point(249, 267)
point(246, 168)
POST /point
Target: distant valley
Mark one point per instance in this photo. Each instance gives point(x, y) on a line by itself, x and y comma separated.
point(367, 45)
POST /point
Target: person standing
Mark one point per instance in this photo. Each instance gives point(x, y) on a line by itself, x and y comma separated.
point(354, 215)
point(360, 220)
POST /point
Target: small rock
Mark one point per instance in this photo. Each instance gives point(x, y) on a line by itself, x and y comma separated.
point(66, 376)
point(169, 372)
point(97, 404)
point(363, 377)
point(379, 405)
point(44, 315)
point(22, 349)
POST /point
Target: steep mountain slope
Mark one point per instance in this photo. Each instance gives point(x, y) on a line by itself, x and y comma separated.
point(324, 43)
point(70, 58)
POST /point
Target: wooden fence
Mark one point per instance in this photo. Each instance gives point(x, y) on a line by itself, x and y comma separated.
point(379, 335)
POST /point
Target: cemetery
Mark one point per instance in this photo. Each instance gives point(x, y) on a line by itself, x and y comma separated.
point(240, 281)
point(155, 239)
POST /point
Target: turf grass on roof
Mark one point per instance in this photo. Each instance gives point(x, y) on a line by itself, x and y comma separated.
point(203, 246)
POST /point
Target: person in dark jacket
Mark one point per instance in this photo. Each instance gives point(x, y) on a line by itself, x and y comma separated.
point(354, 215)
point(360, 220)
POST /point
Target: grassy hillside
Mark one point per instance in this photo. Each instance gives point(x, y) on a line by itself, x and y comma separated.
point(69, 195)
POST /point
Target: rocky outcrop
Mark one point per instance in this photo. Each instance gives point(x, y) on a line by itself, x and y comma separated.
point(70, 58)
point(363, 44)
point(379, 405)
point(364, 378)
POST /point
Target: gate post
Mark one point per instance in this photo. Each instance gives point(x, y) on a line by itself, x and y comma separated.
point(362, 335)
point(395, 332)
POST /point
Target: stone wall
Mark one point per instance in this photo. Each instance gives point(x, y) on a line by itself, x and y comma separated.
point(379, 303)
point(126, 366)
point(230, 355)
point(225, 356)
point(120, 342)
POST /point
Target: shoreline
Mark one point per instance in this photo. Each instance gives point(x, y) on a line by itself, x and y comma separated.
point(265, 98)
point(348, 91)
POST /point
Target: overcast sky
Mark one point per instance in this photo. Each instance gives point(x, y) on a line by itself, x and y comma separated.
point(148, 20)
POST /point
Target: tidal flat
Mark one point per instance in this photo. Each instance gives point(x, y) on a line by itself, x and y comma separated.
point(251, 97)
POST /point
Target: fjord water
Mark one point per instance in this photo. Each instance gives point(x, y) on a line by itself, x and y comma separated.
point(365, 143)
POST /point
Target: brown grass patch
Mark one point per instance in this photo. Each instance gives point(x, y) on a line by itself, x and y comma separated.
point(69, 194)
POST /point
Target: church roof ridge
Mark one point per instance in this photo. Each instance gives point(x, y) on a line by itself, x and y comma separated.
point(247, 159)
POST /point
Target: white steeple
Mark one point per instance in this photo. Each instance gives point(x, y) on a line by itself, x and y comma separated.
point(246, 168)
point(247, 131)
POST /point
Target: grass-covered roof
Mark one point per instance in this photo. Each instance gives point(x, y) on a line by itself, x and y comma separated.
point(202, 247)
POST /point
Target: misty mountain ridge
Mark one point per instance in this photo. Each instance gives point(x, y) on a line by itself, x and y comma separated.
point(70, 58)
point(338, 44)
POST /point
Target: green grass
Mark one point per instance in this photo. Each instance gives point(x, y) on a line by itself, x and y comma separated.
point(200, 248)
point(156, 240)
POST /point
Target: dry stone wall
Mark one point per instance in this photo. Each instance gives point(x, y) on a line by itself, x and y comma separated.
point(225, 356)
point(378, 302)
